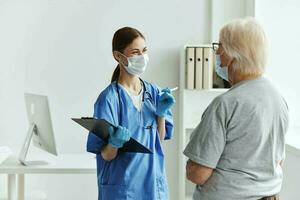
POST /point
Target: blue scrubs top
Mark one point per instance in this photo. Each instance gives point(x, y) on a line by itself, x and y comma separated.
point(131, 175)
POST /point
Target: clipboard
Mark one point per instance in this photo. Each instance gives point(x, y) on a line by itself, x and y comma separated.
point(100, 127)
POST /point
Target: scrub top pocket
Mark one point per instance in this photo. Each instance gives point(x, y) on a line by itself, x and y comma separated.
point(162, 189)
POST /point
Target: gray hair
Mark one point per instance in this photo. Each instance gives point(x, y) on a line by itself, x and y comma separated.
point(244, 40)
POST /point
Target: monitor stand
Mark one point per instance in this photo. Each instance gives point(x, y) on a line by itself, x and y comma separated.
point(22, 156)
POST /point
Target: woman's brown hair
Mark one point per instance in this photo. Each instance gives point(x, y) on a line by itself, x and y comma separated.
point(122, 38)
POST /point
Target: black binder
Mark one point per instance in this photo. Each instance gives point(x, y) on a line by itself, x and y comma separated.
point(100, 128)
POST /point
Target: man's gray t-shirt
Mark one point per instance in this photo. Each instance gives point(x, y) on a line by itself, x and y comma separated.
point(241, 136)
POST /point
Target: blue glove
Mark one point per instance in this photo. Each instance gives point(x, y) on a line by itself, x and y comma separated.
point(119, 137)
point(165, 102)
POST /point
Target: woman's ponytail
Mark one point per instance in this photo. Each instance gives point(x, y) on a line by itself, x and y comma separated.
point(116, 74)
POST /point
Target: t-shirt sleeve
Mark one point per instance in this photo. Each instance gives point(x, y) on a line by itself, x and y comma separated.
point(208, 139)
point(103, 109)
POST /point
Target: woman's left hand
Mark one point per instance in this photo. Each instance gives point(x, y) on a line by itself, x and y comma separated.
point(165, 101)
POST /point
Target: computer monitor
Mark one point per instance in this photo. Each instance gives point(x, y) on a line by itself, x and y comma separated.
point(40, 126)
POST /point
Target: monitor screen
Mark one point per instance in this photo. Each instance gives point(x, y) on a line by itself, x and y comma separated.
point(38, 114)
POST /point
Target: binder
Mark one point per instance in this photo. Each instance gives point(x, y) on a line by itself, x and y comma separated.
point(190, 68)
point(100, 127)
point(198, 68)
point(207, 68)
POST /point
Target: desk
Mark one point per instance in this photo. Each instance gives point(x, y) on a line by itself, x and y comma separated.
point(62, 164)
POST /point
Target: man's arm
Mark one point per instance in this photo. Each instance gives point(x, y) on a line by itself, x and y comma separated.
point(197, 173)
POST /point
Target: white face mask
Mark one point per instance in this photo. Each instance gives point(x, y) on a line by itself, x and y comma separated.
point(137, 64)
point(221, 71)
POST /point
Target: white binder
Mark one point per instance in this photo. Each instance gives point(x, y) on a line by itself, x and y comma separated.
point(190, 68)
point(198, 68)
point(207, 68)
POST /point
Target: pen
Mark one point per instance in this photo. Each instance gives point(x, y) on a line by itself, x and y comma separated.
point(173, 89)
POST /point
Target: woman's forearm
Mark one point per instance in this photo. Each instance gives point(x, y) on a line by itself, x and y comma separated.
point(108, 152)
point(161, 126)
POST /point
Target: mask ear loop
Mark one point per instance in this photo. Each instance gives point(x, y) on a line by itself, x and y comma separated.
point(126, 64)
point(229, 62)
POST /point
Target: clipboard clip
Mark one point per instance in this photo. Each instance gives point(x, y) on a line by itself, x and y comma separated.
point(87, 117)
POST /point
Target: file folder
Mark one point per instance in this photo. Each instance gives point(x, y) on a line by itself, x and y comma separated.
point(190, 68)
point(198, 68)
point(207, 68)
point(100, 128)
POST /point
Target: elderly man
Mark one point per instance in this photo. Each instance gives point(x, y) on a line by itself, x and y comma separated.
point(237, 150)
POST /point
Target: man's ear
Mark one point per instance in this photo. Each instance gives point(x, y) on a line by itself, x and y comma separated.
point(231, 62)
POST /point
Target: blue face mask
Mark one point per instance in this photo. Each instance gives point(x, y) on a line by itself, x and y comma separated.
point(221, 71)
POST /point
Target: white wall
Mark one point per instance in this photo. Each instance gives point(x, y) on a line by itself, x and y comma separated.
point(291, 179)
point(225, 10)
point(279, 19)
point(62, 49)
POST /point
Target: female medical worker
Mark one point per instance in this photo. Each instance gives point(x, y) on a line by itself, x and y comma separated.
point(139, 110)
